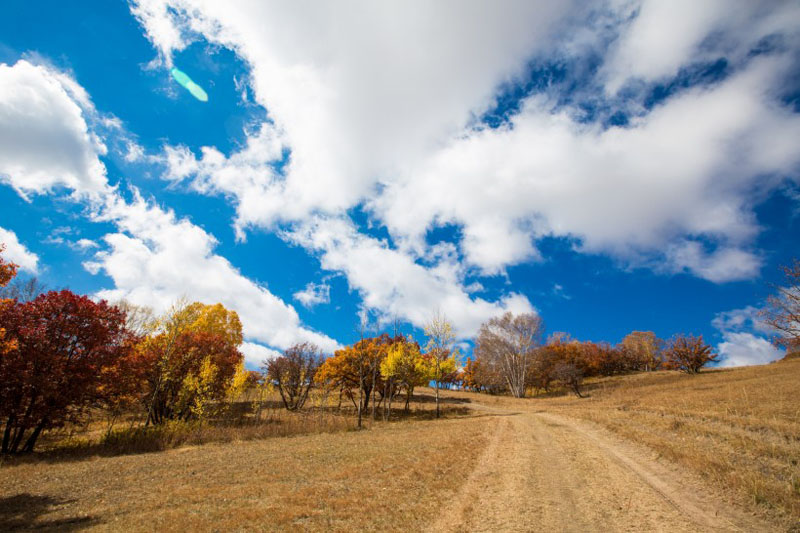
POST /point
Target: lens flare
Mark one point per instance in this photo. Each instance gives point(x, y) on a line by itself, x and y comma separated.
point(187, 83)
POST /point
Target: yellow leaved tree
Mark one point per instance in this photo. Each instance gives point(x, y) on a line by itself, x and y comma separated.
point(441, 350)
point(403, 368)
point(191, 361)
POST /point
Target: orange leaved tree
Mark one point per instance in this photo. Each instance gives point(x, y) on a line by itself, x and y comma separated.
point(689, 353)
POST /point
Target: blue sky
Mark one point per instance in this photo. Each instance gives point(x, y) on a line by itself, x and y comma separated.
point(612, 166)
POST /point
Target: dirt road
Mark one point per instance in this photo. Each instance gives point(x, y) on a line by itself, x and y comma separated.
point(543, 472)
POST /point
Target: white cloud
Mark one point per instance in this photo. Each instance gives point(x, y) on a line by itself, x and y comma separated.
point(726, 264)
point(742, 349)
point(16, 252)
point(256, 354)
point(395, 130)
point(134, 153)
point(85, 244)
point(737, 320)
point(156, 258)
point(247, 175)
point(662, 37)
point(355, 90)
point(689, 167)
point(314, 294)
point(392, 284)
point(157, 20)
point(44, 138)
point(46, 141)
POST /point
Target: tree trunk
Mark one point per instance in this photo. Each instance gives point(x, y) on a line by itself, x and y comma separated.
point(34, 436)
point(7, 435)
point(372, 391)
point(360, 399)
point(388, 403)
point(438, 370)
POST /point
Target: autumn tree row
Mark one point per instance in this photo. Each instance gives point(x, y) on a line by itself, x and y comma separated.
point(62, 354)
point(371, 373)
point(510, 355)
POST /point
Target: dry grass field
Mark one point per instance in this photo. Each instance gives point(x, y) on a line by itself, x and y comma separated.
point(656, 452)
point(738, 428)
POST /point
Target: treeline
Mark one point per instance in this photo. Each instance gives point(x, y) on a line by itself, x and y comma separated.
point(510, 356)
point(371, 373)
point(64, 356)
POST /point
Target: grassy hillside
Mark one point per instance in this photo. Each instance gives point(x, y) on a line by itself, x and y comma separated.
point(739, 428)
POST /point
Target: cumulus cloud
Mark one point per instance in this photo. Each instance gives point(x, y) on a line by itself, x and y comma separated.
point(689, 167)
point(85, 244)
point(741, 345)
point(314, 294)
point(659, 38)
point(743, 349)
point(744, 319)
point(248, 176)
point(357, 91)
point(16, 252)
point(256, 354)
point(45, 141)
point(156, 258)
point(48, 141)
point(392, 284)
point(397, 132)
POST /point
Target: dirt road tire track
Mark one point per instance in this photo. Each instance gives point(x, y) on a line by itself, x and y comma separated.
point(544, 472)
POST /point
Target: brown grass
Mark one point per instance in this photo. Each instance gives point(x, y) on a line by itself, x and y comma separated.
point(393, 476)
point(739, 428)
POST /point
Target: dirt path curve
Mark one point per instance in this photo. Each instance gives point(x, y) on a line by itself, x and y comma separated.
point(543, 472)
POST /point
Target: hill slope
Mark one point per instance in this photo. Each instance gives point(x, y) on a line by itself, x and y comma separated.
point(659, 451)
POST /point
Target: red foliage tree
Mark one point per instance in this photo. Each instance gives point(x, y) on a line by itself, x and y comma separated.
point(65, 359)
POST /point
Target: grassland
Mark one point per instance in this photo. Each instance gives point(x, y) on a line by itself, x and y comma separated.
point(738, 428)
point(660, 451)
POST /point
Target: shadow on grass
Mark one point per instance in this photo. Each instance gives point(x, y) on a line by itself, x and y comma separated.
point(24, 512)
point(399, 415)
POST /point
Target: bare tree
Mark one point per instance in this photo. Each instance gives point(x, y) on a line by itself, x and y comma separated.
point(570, 376)
point(511, 341)
point(23, 289)
point(139, 319)
point(293, 373)
point(441, 340)
point(783, 309)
